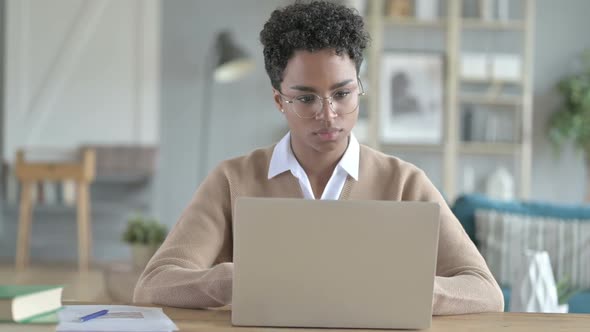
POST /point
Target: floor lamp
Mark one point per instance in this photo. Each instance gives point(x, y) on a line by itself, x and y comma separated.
point(227, 62)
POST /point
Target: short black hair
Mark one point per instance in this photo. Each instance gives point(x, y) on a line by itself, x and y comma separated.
point(311, 26)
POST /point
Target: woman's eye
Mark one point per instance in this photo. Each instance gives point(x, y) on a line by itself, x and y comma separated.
point(341, 94)
point(307, 99)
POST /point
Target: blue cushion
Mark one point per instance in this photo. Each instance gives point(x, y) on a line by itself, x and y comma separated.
point(579, 303)
point(465, 206)
point(506, 292)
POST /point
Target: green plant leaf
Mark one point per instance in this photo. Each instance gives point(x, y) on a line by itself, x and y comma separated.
point(571, 122)
point(565, 290)
point(146, 231)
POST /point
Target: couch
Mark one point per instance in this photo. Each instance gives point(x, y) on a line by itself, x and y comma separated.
point(465, 208)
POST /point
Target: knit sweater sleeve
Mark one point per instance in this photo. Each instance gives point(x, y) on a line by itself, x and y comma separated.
point(191, 269)
point(463, 282)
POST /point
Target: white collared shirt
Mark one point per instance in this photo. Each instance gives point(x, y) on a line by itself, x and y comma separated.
point(283, 160)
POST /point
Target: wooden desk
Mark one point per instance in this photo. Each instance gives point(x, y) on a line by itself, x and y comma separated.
point(219, 321)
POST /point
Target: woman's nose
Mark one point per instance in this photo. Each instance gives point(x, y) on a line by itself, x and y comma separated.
point(327, 111)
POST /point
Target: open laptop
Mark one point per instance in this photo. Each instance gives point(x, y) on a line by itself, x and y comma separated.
point(334, 264)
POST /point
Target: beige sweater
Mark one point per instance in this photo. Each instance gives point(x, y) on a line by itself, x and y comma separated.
point(193, 266)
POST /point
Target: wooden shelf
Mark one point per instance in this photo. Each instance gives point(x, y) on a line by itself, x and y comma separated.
point(412, 147)
point(484, 148)
point(490, 81)
point(506, 95)
point(471, 23)
point(490, 100)
point(414, 22)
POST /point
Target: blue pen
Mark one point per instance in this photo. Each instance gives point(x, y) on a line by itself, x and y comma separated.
point(94, 315)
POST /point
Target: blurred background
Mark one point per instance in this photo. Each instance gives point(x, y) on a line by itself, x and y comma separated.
point(142, 85)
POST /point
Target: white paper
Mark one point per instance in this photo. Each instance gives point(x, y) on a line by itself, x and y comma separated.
point(119, 318)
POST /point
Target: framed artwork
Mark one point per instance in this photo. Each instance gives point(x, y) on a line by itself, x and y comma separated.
point(411, 98)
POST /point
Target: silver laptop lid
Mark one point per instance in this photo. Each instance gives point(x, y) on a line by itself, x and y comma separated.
point(347, 264)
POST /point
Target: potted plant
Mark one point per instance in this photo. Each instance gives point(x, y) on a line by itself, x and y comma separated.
point(572, 121)
point(144, 235)
point(565, 291)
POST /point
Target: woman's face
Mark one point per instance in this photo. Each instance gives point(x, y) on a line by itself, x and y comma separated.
point(325, 74)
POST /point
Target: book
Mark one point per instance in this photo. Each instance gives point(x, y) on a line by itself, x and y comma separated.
point(24, 303)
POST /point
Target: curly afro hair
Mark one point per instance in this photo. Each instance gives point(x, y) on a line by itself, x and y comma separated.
point(311, 27)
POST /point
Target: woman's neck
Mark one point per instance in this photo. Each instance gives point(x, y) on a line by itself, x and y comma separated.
point(318, 164)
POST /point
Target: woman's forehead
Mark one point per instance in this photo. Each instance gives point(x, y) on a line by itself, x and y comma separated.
point(321, 69)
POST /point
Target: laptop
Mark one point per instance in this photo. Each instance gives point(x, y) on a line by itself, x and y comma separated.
point(334, 264)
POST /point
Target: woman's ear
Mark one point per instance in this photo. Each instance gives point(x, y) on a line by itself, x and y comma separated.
point(278, 100)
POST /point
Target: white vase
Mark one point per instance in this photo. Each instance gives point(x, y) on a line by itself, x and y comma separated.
point(141, 255)
point(533, 285)
point(500, 185)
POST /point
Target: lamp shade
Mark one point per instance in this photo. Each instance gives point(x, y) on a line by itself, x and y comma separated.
point(232, 61)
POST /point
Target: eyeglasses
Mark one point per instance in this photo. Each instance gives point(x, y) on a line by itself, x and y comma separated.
point(343, 101)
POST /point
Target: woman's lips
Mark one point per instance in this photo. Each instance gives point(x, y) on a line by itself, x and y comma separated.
point(328, 134)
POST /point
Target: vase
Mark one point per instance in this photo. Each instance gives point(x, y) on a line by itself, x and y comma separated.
point(500, 185)
point(141, 254)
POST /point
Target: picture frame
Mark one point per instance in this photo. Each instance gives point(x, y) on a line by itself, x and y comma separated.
point(411, 98)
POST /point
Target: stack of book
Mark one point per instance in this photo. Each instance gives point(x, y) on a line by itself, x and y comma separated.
point(29, 303)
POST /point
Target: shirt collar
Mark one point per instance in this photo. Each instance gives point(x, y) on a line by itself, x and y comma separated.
point(283, 159)
point(351, 158)
point(280, 161)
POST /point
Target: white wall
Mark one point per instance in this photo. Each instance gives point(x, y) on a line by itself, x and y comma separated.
point(243, 115)
point(81, 71)
point(76, 72)
point(561, 36)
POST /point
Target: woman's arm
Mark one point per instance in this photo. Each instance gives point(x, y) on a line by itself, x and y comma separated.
point(463, 282)
point(191, 269)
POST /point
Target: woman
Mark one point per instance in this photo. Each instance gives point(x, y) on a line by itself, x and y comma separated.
point(312, 54)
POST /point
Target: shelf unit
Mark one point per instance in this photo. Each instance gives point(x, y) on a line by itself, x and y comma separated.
point(483, 99)
point(470, 23)
point(451, 149)
point(490, 149)
point(413, 147)
point(412, 22)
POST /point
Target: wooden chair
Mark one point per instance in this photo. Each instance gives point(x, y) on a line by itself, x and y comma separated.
point(82, 172)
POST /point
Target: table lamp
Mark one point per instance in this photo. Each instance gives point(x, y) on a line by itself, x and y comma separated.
point(227, 63)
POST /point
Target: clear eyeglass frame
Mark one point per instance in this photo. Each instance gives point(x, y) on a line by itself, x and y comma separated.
point(321, 100)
